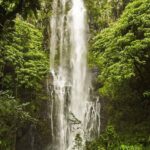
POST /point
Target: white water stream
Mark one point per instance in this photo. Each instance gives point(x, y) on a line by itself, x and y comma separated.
point(74, 116)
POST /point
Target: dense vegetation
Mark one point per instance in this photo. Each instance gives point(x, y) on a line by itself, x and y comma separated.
point(23, 70)
point(119, 48)
point(121, 52)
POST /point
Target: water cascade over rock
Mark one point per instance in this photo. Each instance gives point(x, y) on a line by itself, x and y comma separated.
point(74, 112)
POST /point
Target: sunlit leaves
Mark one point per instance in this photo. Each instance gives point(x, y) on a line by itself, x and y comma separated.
point(124, 46)
point(25, 63)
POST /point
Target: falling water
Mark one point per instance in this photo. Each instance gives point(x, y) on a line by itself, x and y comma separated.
point(74, 114)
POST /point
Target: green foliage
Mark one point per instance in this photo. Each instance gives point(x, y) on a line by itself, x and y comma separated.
point(128, 147)
point(24, 63)
point(23, 67)
point(78, 142)
point(13, 116)
point(121, 52)
point(110, 140)
point(10, 8)
point(124, 48)
point(101, 13)
point(107, 140)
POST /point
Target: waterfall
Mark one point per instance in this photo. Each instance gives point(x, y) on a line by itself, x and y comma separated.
point(74, 114)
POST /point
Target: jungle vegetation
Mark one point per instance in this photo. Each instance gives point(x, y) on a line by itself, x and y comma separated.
point(119, 48)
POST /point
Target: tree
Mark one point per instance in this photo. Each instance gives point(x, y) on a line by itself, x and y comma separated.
point(122, 55)
point(13, 116)
point(24, 64)
point(101, 13)
point(23, 68)
point(10, 8)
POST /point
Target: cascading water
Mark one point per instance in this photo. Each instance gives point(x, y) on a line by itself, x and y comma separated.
point(74, 116)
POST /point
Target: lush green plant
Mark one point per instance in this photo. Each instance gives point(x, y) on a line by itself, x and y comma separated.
point(78, 142)
point(128, 147)
point(23, 68)
point(10, 8)
point(121, 52)
point(108, 140)
point(101, 13)
point(123, 48)
point(12, 117)
point(24, 64)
